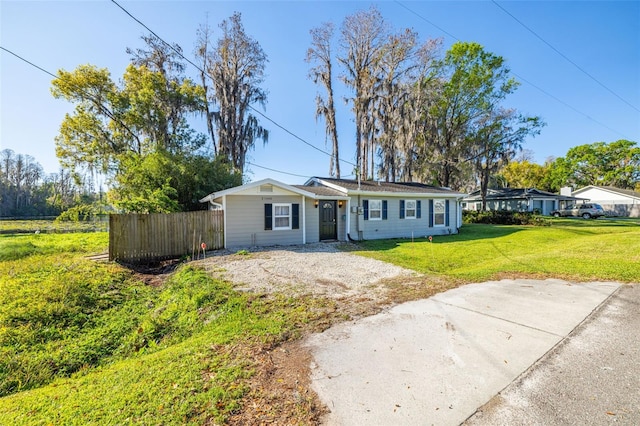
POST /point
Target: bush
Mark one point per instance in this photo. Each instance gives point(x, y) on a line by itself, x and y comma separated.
point(504, 217)
point(81, 213)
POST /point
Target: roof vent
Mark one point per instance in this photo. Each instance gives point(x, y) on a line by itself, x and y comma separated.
point(266, 188)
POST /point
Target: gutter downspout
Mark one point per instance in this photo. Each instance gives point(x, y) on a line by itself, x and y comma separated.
point(304, 221)
point(358, 218)
point(224, 209)
point(347, 225)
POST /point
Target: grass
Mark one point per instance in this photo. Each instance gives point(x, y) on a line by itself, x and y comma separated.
point(571, 248)
point(50, 226)
point(85, 342)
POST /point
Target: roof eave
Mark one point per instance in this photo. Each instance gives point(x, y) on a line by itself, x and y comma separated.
point(411, 194)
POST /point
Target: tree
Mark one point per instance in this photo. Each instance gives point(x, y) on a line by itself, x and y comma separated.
point(606, 164)
point(236, 68)
point(496, 140)
point(362, 37)
point(132, 132)
point(320, 54)
point(403, 92)
point(392, 100)
point(26, 191)
point(525, 174)
point(613, 164)
point(474, 82)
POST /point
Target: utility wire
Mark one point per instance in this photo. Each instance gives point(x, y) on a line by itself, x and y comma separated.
point(427, 21)
point(28, 62)
point(104, 109)
point(565, 56)
point(277, 171)
point(54, 76)
point(248, 162)
point(519, 76)
point(204, 73)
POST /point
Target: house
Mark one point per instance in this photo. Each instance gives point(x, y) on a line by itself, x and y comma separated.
point(268, 212)
point(614, 201)
point(519, 199)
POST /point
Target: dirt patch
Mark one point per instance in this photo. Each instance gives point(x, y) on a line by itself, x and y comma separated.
point(153, 273)
point(280, 390)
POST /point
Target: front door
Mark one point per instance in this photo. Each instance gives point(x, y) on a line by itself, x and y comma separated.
point(328, 226)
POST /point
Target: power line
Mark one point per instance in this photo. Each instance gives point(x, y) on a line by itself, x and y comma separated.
point(277, 171)
point(54, 76)
point(519, 76)
point(565, 56)
point(204, 73)
point(28, 62)
point(428, 21)
point(104, 109)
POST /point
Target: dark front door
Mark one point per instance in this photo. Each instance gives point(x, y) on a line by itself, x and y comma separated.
point(328, 226)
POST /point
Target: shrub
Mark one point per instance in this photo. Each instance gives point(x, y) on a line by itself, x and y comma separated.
point(81, 213)
point(504, 217)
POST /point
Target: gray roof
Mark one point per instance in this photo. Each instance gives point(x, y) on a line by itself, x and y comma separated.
point(376, 186)
point(321, 191)
point(517, 194)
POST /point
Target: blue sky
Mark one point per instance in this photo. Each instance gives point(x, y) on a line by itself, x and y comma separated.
point(602, 38)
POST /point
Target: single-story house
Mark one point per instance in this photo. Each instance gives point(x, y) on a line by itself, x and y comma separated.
point(519, 199)
point(268, 212)
point(614, 201)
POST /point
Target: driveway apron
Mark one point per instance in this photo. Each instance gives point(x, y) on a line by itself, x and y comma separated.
point(435, 361)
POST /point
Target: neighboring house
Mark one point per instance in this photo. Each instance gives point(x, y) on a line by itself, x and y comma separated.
point(614, 201)
point(519, 199)
point(269, 212)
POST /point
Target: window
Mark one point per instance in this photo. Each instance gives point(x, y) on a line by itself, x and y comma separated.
point(438, 212)
point(282, 216)
point(410, 209)
point(375, 209)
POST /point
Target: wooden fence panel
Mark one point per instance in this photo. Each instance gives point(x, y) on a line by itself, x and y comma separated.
point(157, 236)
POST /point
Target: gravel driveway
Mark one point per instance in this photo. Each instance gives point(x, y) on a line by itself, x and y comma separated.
point(319, 269)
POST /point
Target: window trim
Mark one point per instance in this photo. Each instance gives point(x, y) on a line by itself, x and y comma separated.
point(288, 216)
point(371, 209)
point(406, 209)
point(443, 202)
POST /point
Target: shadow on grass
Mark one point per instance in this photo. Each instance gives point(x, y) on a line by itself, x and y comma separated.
point(475, 231)
point(590, 223)
point(468, 232)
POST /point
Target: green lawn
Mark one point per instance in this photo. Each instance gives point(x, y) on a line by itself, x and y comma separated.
point(574, 249)
point(85, 342)
point(50, 226)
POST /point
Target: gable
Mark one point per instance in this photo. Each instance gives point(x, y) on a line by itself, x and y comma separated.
point(264, 187)
point(596, 193)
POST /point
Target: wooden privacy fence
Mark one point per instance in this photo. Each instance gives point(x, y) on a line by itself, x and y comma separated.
point(157, 236)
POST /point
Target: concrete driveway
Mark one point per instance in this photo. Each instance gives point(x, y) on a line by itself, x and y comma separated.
point(436, 361)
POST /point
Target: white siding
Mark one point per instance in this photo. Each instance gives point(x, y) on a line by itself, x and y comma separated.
point(245, 222)
point(601, 196)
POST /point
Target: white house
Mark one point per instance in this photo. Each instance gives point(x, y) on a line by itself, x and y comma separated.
point(614, 201)
point(269, 212)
